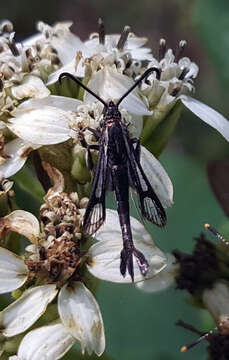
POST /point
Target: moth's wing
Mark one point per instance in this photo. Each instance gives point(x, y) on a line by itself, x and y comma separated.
point(150, 206)
point(96, 210)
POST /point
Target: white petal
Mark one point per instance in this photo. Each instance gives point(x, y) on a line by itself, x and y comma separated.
point(22, 313)
point(44, 126)
point(49, 342)
point(31, 40)
point(142, 54)
point(111, 85)
point(18, 151)
point(2, 125)
point(111, 229)
point(105, 255)
point(135, 42)
point(105, 261)
point(208, 115)
point(67, 46)
point(13, 271)
point(69, 67)
point(24, 223)
point(157, 177)
point(161, 280)
point(135, 126)
point(60, 102)
point(31, 87)
point(216, 300)
point(81, 315)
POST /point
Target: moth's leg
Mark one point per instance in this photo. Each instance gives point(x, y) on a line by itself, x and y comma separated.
point(89, 160)
point(95, 132)
point(84, 143)
point(137, 149)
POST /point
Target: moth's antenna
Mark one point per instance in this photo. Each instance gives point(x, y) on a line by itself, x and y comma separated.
point(70, 76)
point(146, 73)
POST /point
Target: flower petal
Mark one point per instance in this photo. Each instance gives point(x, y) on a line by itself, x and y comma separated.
point(81, 315)
point(157, 177)
point(216, 300)
point(44, 126)
point(208, 115)
point(13, 271)
point(17, 151)
point(31, 87)
point(142, 54)
point(60, 102)
point(110, 230)
point(135, 126)
point(24, 223)
point(105, 255)
point(69, 67)
point(163, 279)
point(22, 313)
point(109, 84)
point(47, 342)
point(67, 46)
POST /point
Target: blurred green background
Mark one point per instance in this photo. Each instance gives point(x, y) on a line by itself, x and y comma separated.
point(138, 325)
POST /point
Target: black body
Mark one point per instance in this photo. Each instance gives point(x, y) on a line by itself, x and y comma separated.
point(117, 169)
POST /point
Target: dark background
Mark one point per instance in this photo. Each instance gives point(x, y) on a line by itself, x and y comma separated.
point(141, 325)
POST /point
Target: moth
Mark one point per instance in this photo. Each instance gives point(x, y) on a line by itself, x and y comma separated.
point(118, 169)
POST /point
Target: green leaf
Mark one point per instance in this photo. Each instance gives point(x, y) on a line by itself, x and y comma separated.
point(28, 182)
point(161, 135)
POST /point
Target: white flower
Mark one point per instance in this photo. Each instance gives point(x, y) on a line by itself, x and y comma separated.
point(55, 119)
point(37, 122)
point(79, 314)
point(25, 311)
point(18, 78)
point(125, 51)
point(207, 114)
point(31, 87)
point(16, 152)
point(13, 271)
point(216, 301)
point(175, 83)
point(80, 317)
point(163, 279)
point(47, 342)
point(109, 84)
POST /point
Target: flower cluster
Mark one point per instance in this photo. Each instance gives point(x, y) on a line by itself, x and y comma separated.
point(54, 278)
point(204, 274)
point(57, 263)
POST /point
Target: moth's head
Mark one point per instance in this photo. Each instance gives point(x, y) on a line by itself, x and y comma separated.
point(111, 111)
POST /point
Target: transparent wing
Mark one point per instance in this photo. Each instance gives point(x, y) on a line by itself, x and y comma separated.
point(96, 211)
point(150, 206)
